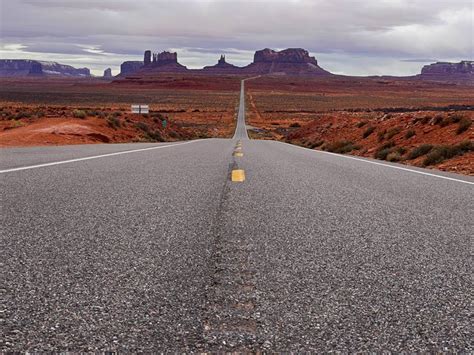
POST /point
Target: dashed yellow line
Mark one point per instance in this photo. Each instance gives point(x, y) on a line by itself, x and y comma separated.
point(238, 175)
point(238, 154)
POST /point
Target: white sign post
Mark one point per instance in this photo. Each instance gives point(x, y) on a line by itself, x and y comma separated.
point(140, 109)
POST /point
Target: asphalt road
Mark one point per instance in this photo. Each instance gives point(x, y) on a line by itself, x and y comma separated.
point(158, 250)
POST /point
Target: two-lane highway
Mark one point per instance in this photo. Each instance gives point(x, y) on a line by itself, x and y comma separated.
point(159, 250)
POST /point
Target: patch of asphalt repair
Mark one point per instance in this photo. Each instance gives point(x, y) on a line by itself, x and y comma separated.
point(231, 318)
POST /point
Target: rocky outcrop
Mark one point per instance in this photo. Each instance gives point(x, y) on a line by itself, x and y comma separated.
point(108, 73)
point(130, 67)
point(222, 67)
point(162, 62)
point(53, 68)
point(290, 55)
point(26, 67)
point(291, 61)
point(445, 68)
point(444, 71)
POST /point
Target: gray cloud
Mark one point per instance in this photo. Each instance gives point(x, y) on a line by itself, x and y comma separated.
point(338, 31)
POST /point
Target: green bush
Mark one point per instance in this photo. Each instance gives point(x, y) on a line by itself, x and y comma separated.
point(114, 122)
point(392, 132)
point(443, 152)
point(142, 126)
point(394, 157)
point(381, 135)
point(464, 125)
point(368, 132)
point(382, 153)
point(155, 136)
point(419, 151)
point(21, 115)
point(438, 119)
point(79, 114)
point(341, 147)
point(410, 133)
point(315, 144)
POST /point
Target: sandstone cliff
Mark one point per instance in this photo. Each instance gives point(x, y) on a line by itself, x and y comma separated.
point(291, 61)
point(26, 67)
point(444, 71)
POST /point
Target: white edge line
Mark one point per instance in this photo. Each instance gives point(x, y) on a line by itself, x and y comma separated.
point(377, 163)
point(92, 157)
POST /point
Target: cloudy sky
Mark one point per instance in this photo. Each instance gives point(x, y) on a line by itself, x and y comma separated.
point(357, 37)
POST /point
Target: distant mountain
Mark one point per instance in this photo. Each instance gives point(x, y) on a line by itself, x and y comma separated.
point(292, 61)
point(445, 71)
point(26, 67)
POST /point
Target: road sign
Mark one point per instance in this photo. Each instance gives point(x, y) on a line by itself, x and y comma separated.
point(164, 123)
point(140, 109)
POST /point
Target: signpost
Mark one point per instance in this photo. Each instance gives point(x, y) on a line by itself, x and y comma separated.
point(140, 109)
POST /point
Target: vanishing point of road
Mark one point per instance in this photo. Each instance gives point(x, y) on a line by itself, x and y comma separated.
point(230, 245)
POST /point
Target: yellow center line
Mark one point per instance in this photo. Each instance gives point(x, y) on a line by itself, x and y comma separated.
point(238, 175)
point(238, 154)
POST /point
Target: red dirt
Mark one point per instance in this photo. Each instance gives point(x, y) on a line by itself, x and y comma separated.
point(317, 113)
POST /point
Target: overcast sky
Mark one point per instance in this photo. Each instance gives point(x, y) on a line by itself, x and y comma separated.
point(357, 37)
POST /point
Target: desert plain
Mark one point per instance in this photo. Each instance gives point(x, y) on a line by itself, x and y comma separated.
point(415, 122)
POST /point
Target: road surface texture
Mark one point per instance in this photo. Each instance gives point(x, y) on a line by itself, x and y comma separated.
point(158, 249)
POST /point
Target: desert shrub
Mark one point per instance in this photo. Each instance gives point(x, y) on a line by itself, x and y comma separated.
point(392, 132)
point(401, 150)
point(389, 144)
point(17, 124)
point(419, 151)
point(410, 133)
point(145, 115)
point(425, 119)
point(315, 144)
point(361, 124)
point(21, 115)
point(438, 119)
point(142, 126)
point(174, 134)
point(341, 147)
point(117, 114)
point(443, 152)
point(40, 114)
point(155, 136)
point(394, 157)
point(114, 122)
point(160, 116)
point(464, 125)
point(79, 114)
point(368, 132)
point(295, 125)
point(381, 135)
point(384, 150)
point(382, 153)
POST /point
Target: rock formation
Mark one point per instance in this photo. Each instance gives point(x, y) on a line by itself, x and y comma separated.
point(290, 55)
point(163, 62)
point(108, 73)
point(130, 67)
point(444, 71)
point(147, 58)
point(445, 68)
point(291, 61)
point(222, 67)
point(26, 67)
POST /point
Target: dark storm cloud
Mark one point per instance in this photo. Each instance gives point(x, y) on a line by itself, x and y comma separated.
point(339, 29)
